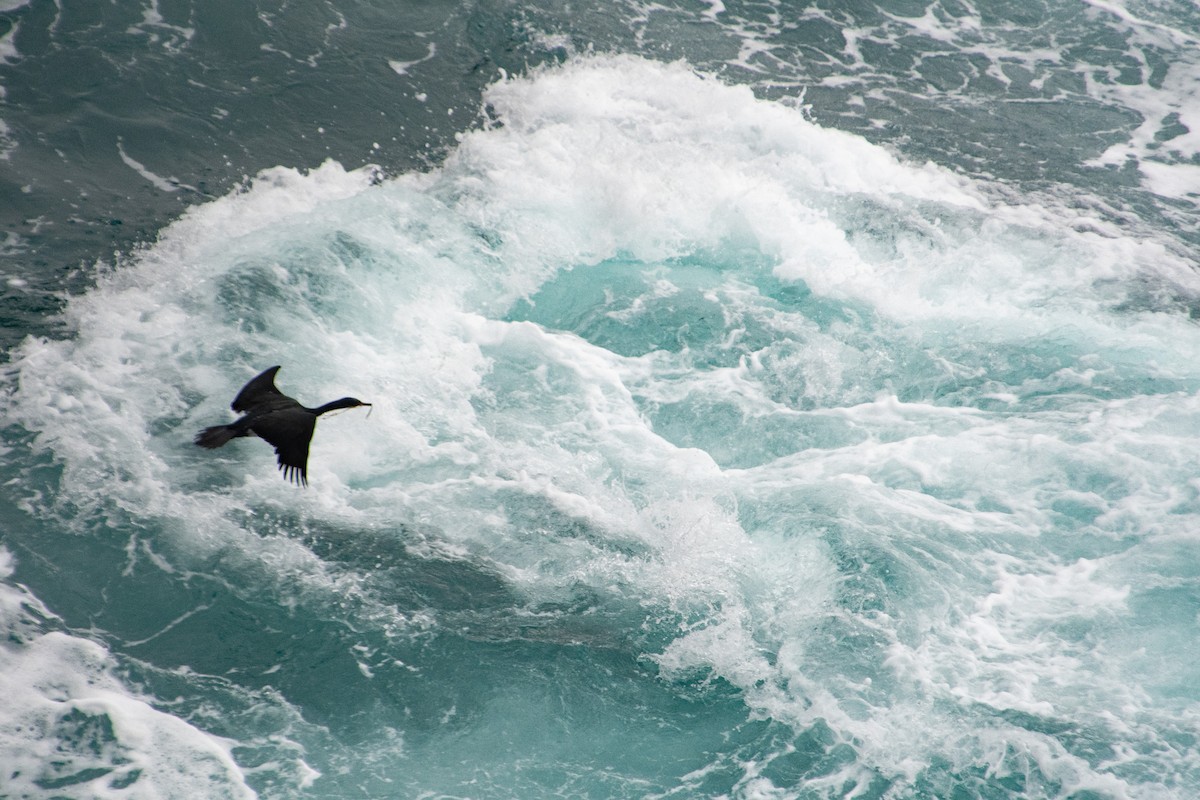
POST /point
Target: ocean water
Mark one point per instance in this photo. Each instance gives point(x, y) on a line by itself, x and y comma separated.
point(771, 400)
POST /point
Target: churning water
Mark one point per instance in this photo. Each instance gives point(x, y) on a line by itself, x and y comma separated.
point(770, 400)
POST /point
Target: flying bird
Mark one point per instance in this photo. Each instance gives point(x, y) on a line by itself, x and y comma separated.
point(282, 422)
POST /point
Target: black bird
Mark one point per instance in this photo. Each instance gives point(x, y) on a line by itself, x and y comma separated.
point(271, 415)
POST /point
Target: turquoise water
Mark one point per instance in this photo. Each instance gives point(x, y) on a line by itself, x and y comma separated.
point(770, 401)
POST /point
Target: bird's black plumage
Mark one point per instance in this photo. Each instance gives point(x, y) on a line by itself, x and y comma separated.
point(276, 418)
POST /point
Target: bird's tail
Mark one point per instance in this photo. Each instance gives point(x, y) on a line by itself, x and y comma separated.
point(216, 436)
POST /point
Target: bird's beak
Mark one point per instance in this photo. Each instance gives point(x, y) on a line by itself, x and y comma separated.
point(368, 405)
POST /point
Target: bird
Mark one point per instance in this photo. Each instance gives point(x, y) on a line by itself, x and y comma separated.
point(280, 420)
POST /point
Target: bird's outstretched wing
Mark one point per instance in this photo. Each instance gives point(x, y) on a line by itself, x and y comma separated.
point(261, 389)
point(290, 431)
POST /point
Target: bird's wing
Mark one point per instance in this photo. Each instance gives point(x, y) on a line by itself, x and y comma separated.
point(259, 390)
point(289, 431)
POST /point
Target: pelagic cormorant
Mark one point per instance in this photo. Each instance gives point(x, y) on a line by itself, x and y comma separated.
point(271, 415)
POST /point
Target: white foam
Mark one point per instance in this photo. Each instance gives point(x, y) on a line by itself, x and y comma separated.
point(402, 67)
point(164, 184)
point(1174, 95)
point(8, 47)
point(69, 726)
point(1181, 181)
point(923, 533)
point(675, 159)
point(156, 28)
point(1156, 76)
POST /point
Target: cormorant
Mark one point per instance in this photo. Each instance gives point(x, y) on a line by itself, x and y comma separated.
point(271, 415)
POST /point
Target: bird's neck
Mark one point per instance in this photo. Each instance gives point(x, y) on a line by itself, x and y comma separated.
point(342, 402)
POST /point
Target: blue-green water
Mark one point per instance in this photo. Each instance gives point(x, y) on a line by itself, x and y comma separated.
point(770, 400)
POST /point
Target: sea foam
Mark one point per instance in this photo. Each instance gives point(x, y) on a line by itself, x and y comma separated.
point(71, 728)
point(875, 447)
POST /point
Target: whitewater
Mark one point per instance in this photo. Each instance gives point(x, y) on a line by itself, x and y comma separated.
point(714, 452)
